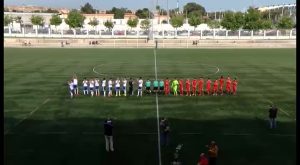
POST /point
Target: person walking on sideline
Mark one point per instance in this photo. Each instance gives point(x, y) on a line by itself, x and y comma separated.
point(202, 160)
point(272, 116)
point(108, 126)
point(164, 132)
point(212, 153)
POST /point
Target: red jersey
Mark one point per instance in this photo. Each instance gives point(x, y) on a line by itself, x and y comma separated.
point(200, 83)
point(187, 85)
point(221, 81)
point(208, 82)
point(194, 83)
point(167, 83)
point(203, 161)
point(180, 84)
point(234, 84)
point(228, 83)
point(216, 84)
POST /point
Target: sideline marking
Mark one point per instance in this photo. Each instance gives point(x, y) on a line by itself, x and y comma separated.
point(157, 111)
point(28, 116)
point(289, 115)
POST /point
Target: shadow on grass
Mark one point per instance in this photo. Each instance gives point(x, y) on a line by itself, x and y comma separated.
point(80, 141)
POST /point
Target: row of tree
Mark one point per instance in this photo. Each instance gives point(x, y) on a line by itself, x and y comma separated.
point(193, 13)
point(75, 20)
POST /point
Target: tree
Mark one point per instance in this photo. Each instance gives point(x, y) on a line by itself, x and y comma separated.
point(213, 24)
point(194, 21)
point(132, 23)
point(6, 9)
point(239, 19)
point(75, 19)
point(177, 21)
point(193, 8)
point(285, 23)
point(145, 24)
point(118, 13)
point(252, 19)
point(37, 20)
point(55, 20)
point(109, 25)
point(144, 13)
point(7, 20)
point(87, 9)
point(232, 21)
point(94, 22)
point(266, 24)
point(18, 19)
point(49, 10)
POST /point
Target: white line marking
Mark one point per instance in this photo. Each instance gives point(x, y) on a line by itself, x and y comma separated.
point(28, 116)
point(157, 111)
point(96, 71)
point(280, 109)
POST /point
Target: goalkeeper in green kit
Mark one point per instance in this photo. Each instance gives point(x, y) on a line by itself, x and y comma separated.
point(174, 86)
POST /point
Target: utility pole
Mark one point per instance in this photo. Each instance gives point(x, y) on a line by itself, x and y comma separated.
point(168, 14)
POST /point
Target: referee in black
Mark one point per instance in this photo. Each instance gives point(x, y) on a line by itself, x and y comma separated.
point(130, 86)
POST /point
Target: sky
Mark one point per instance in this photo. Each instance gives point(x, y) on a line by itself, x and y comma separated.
point(209, 5)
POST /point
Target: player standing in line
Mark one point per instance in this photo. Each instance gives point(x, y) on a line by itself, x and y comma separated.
point(124, 86)
point(167, 86)
point(221, 82)
point(148, 85)
point(92, 84)
point(234, 86)
point(228, 84)
point(181, 87)
point(71, 88)
point(110, 83)
point(117, 87)
point(174, 86)
point(75, 82)
point(200, 86)
point(215, 89)
point(194, 85)
point(104, 87)
point(131, 86)
point(208, 85)
point(97, 92)
point(188, 87)
point(161, 86)
point(85, 86)
point(140, 88)
point(155, 86)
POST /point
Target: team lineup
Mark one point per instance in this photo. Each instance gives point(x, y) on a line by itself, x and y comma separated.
point(92, 87)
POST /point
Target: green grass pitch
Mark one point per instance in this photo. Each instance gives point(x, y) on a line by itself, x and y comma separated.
point(44, 126)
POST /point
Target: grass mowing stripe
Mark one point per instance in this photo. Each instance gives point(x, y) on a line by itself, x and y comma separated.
point(157, 111)
point(28, 116)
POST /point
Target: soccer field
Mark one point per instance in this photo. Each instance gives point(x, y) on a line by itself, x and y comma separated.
point(44, 126)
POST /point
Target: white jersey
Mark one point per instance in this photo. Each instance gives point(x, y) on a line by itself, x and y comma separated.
point(109, 83)
point(85, 83)
point(91, 84)
point(117, 83)
point(96, 82)
point(71, 86)
point(140, 83)
point(75, 81)
point(103, 83)
point(124, 83)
